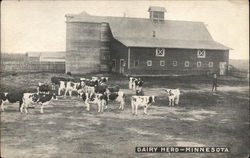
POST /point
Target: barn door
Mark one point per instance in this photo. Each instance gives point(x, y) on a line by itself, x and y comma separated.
point(223, 68)
point(122, 66)
point(113, 65)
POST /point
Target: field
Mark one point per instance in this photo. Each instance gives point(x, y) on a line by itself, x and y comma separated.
point(66, 129)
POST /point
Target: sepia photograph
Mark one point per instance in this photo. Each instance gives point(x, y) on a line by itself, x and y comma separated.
point(122, 78)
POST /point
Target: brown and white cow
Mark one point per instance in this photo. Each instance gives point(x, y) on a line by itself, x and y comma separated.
point(141, 101)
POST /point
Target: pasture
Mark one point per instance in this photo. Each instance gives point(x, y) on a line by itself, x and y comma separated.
point(66, 129)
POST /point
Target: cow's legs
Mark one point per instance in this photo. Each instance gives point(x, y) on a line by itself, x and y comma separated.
point(66, 91)
point(136, 109)
point(99, 106)
point(177, 100)
point(145, 109)
point(42, 105)
point(132, 106)
point(169, 100)
point(122, 105)
point(2, 107)
point(87, 105)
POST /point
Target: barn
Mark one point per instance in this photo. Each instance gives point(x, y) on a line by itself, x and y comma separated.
point(137, 46)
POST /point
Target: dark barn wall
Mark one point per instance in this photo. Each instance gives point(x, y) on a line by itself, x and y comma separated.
point(119, 51)
point(83, 47)
point(179, 55)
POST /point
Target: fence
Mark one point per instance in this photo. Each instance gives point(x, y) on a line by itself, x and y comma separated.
point(57, 67)
point(233, 71)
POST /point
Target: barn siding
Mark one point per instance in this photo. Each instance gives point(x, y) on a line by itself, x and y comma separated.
point(119, 51)
point(179, 55)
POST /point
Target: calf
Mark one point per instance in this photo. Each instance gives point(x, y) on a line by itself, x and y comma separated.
point(143, 101)
point(42, 99)
point(173, 96)
point(13, 97)
point(94, 98)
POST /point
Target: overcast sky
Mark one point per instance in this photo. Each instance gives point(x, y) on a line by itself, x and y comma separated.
point(40, 25)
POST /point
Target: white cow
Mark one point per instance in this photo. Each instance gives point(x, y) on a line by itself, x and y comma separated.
point(142, 101)
point(173, 96)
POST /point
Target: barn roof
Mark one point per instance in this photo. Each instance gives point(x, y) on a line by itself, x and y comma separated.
point(138, 32)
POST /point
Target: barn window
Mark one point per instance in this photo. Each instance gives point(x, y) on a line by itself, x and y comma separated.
point(199, 64)
point(174, 63)
point(136, 63)
point(210, 64)
point(162, 63)
point(186, 63)
point(160, 52)
point(149, 62)
point(201, 53)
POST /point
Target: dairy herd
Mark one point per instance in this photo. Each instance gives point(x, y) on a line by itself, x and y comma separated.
point(96, 90)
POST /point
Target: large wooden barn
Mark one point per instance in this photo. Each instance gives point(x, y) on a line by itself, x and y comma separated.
point(137, 46)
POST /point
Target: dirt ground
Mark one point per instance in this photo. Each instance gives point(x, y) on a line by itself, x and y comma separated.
point(66, 129)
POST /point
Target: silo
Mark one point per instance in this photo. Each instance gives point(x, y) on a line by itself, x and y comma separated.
point(83, 47)
point(105, 47)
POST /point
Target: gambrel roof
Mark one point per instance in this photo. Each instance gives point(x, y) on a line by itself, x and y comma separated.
point(138, 32)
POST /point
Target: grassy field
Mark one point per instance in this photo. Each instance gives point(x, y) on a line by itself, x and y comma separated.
point(66, 129)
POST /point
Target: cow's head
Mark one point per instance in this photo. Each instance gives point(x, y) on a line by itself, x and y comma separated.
point(153, 98)
point(168, 91)
point(4, 96)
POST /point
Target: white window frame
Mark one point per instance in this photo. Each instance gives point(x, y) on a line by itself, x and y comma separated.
point(175, 63)
point(162, 61)
point(198, 63)
point(160, 50)
point(210, 64)
point(187, 64)
point(201, 53)
point(149, 63)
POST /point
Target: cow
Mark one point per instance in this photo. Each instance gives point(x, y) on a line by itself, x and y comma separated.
point(131, 82)
point(70, 87)
point(116, 96)
point(103, 80)
point(115, 88)
point(94, 98)
point(173, 96)
point(56, 81)
point(12, 97)
point(101, 89)
point(31, 98)
point(144, 101)
point(138, 83)
point(43, 88)
point(62, 86)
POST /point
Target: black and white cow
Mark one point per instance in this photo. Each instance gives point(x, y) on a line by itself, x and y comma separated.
point(43, 88)
point(34, 98)
point(116, 96)
point(141, 101)
point(13, 97)
point(56, 81)
point(71, 87)
point(94, 98)
point(173, 96)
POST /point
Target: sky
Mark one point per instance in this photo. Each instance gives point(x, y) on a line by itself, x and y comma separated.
point(40, 25)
